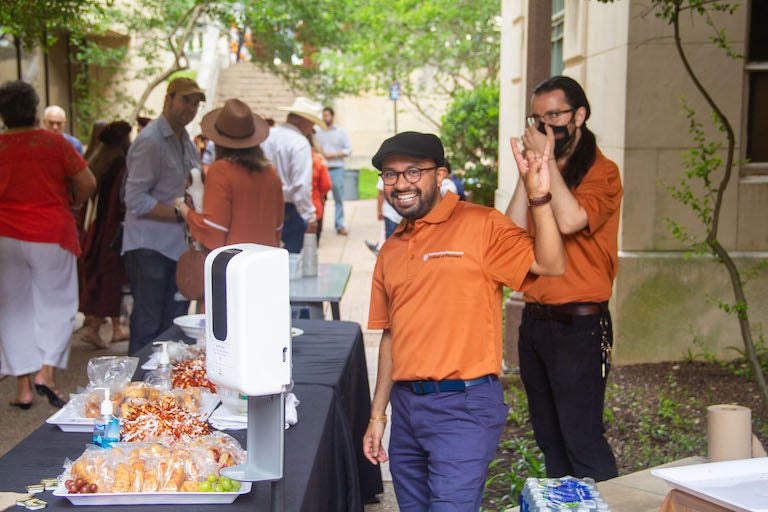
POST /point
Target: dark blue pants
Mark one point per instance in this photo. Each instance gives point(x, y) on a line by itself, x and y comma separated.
point(389, 227)
point(294, 228)
point(560, 365)
point(441, 444)
point(156, 299)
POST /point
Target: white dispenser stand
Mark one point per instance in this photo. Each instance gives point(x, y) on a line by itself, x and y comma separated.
point(248, 348)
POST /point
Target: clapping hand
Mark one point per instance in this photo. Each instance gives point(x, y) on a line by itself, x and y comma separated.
point(534, 140)
point(534, 168)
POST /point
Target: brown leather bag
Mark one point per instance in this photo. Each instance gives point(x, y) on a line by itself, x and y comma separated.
point(190, 274)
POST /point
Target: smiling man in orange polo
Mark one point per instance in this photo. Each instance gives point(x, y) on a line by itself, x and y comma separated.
point(437, 294)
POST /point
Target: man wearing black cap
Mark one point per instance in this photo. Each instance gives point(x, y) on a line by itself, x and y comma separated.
point(440, 352)
point(153, 239)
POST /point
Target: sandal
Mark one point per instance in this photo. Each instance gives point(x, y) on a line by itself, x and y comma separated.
point(91, 336)
point(54, 398)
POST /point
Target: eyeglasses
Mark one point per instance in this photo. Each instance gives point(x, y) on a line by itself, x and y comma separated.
point(411, 175)
point(548, 117)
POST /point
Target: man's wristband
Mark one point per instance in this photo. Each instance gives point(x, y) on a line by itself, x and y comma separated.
point(374, 418)
point(538, 201)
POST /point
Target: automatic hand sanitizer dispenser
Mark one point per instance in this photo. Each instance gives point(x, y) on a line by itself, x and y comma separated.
point(248, 345)
point(247, 320)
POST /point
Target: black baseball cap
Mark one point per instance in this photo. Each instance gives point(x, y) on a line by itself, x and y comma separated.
point(415, 144)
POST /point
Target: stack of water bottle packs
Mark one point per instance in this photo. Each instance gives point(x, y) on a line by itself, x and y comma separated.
point(561, 495)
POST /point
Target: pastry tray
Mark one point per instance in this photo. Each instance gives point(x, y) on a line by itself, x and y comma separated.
point(66, 419)
point(153, 498)
point(740, 485)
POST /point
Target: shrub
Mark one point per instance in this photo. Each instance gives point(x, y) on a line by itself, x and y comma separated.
point(470, 133)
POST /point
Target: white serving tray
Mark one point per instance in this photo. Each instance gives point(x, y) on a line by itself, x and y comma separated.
point(153, 498)
point(68, 421)
point(740, 485)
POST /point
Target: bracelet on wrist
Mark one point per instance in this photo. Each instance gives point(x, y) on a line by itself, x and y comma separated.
point(177, 212)
point(539, 201)
point(374, 418)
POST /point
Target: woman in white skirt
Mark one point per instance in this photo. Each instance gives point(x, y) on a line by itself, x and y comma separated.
point(42, 178)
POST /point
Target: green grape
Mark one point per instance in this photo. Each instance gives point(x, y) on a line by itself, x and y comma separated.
point(218, 488)
point(225, 482)
point(235, 486)
point(212, 478)
point(204, 486)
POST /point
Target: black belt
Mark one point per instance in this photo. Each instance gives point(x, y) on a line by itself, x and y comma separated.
point(425, 387)
point(565, 312)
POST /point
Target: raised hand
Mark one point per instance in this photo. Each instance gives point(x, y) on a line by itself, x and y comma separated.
point(534, 169)
point(534, 140)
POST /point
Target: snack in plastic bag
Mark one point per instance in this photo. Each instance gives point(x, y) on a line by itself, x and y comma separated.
point(113, 372)
point(151, 466)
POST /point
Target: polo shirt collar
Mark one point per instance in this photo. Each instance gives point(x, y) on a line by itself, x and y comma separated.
point(438, 214)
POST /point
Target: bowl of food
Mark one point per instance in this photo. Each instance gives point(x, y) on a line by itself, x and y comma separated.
point(192, 325)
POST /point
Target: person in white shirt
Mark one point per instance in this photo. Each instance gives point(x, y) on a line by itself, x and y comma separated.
point(336, 147)
point(289, 150)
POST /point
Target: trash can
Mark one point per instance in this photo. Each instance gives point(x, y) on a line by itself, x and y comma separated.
point(351, 184)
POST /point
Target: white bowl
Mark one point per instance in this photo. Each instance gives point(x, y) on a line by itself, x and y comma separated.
point(192, 325)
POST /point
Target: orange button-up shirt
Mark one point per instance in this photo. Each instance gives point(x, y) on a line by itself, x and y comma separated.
point(437, 286)
point(591, 255)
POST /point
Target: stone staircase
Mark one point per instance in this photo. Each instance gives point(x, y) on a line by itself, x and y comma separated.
point(261, 90)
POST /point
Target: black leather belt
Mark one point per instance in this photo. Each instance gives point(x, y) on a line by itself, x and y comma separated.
point(425, 387)
point(565, 312)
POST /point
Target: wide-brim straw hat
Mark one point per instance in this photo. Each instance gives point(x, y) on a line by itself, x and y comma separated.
point(307, 109)
point(234, 126)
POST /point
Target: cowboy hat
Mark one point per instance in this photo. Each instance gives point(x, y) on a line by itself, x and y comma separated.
point(234, 126)
point(307, 109)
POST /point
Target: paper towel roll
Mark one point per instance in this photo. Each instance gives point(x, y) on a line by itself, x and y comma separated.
point(729, 432)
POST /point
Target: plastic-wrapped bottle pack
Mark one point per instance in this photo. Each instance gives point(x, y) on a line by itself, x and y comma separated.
point(561, 495)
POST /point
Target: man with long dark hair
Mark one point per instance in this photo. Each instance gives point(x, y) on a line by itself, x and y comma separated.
point(566, 334)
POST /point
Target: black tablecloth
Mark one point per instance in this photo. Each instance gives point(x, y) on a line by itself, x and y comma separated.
point(323, 462)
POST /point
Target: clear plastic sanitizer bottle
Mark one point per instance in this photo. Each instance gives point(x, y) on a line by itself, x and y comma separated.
point(163, 376)
point(106, 428)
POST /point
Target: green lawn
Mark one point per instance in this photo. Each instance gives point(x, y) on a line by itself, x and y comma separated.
point(367, 183)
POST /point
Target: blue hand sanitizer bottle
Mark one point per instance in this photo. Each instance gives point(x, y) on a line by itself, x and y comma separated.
point(106, 428)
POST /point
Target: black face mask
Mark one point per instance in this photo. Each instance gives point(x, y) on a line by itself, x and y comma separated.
point(561, 144)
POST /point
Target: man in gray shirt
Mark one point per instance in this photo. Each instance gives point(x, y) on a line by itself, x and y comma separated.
point(336, 147)
point(158, 164)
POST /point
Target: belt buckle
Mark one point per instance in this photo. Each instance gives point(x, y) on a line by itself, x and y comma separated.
point(424, 387)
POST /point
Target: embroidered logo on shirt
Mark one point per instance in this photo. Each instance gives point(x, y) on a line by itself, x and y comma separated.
point(443, 254)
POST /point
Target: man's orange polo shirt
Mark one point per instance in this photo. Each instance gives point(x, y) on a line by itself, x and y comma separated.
point(437, 286)
point(591, 255)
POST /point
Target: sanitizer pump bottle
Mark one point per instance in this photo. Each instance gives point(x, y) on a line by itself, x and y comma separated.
point(163, 377)
point(106, 428)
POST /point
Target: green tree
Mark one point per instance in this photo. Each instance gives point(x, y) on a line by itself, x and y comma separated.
point(36, 21)
point(470, 132)
point(435, 48)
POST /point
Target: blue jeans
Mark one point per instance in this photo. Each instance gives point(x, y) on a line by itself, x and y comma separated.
point(389, 227)
point(294, 228)
point(156, 299)
point(441, 444)
point(337, 186)
point(560, 368)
